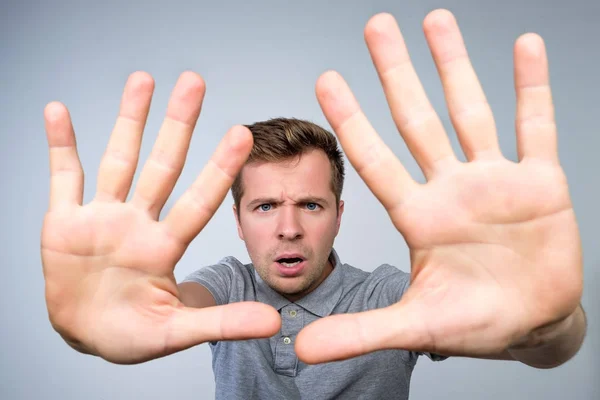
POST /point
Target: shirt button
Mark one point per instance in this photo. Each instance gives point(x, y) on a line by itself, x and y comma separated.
point(293, 313)
point(287, 340)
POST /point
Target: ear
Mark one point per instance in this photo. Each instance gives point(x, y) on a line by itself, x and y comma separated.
point(237, 222)
point(339, 216)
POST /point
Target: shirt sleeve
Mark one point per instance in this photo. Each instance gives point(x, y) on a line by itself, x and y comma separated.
point(433, 356)
point(217, 279)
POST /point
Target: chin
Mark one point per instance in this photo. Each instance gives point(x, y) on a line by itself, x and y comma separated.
point(289, 288)
point(295, 289)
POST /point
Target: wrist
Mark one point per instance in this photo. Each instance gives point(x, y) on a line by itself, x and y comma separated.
point(546, 334)
point(554, 344)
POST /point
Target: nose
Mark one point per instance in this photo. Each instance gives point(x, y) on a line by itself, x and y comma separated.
point(289, 225)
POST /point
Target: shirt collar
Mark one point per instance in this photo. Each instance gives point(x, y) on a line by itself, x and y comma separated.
point(320, 301)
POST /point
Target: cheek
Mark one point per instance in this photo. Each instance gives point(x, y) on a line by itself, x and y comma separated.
point(256, 234)
point(323, 230)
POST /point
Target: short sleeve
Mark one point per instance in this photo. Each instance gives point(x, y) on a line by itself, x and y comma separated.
point(433, 356)
point(386, 286)
point(217, 279)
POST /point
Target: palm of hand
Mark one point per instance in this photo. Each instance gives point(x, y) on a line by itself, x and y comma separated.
point(494, 245)
point(108, 265)
point(491, 245)
point(122, 262)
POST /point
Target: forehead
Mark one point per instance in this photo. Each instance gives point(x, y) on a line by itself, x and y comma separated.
point(309, 174)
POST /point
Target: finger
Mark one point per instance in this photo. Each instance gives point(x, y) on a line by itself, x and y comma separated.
point(66, 173)
point(412, 112)
point(118, 165)
point(469, 110)
point(163, 167)
point(198, 204)
point(240, 321)
point(373, 160)
point(341, 337)
point(535, 124)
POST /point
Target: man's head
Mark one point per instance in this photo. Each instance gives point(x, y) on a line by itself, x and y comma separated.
point(287, 203)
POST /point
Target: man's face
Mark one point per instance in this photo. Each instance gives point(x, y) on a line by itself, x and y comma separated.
point(288, 219)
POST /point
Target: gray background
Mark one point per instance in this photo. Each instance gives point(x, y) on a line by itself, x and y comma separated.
point(261, 60)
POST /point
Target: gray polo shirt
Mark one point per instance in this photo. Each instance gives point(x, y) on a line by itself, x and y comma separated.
point(269, 368)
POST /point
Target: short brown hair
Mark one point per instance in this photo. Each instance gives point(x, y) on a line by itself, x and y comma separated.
point(280, 139)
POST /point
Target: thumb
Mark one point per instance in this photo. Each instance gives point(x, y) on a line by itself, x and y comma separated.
point(340, 337)
point(245, 320)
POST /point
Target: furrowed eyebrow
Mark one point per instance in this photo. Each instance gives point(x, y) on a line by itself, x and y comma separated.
point(271, 200)
point(319, 200)
point(263, 200)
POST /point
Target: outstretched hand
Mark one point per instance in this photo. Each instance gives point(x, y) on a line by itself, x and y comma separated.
point(108, 265)
point(494, 244)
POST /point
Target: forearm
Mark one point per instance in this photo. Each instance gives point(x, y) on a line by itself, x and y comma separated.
point(552, 346)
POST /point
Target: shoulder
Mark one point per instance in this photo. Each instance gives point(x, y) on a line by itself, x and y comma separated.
point(225, 280)
point(383, 273)
point(226, 267)
point(384, 286)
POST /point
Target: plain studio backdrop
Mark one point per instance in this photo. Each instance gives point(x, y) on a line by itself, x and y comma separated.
point(261, 60)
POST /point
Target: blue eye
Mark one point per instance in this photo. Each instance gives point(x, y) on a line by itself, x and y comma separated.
point(264, 207)
point(312, 206)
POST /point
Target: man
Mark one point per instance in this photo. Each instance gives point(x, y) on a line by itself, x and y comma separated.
point(496, 264)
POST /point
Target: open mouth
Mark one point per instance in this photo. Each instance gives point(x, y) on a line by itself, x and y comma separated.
point(290, 262)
